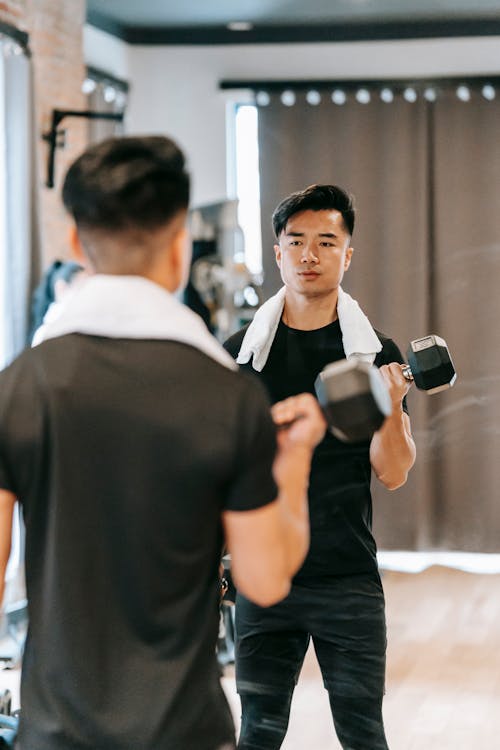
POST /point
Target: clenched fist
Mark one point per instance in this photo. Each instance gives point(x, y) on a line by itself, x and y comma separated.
point(300, 421)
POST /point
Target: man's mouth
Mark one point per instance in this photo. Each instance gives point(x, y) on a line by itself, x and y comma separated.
point(308, 273)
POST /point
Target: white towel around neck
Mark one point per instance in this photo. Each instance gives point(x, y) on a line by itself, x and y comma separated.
point(358, 337)
point(130, 307)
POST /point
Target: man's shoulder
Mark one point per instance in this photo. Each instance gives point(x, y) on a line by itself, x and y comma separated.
point(233, 343)
point(390, 350)
point(22, 365)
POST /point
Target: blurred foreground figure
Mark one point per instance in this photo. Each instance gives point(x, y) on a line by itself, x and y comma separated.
point(136, 450)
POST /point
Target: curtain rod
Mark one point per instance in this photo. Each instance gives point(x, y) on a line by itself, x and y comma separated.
point(397, 83)
point(21, 37)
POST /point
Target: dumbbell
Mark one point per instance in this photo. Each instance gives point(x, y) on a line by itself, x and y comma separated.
point(429, 364)
point(355, 399)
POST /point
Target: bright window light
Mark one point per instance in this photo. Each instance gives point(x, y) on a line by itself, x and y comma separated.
point(3, 230)
point(248, 185)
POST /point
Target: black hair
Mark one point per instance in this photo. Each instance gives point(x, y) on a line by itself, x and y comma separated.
point(129, 183)
point(315, 198)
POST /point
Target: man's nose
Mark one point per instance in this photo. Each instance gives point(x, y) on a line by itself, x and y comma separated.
point(308, 254)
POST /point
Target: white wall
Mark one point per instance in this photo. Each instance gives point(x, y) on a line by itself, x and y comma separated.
point(106, 52)
point(174, 90)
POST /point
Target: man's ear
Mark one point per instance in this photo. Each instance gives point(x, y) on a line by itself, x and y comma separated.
point(180, 255)
point(76, 246)
point(277, 254)
point(348, 257)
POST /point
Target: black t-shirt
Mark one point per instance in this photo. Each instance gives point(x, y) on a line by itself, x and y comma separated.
point(124, 453)
point(340, 506)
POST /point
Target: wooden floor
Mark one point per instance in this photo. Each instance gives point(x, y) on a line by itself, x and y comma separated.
point(443, 678)
point(443, 681)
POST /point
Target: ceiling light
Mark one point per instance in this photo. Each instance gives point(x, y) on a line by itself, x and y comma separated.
point(410, 95)
point(262, 98)
point(463, 93)
point(109, 94)
point(430, 95)
point(387, 96)
point(313, 97)
point(288, 98)
point(240, 26)
point(339, 96)
point(363, 96)
point(488, 92)
point(88, 86)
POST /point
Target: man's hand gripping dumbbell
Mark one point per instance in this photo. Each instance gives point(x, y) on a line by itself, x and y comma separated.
point(354, 395)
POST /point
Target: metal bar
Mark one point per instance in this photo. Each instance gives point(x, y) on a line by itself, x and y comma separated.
point(398, 84)
point(58, 116)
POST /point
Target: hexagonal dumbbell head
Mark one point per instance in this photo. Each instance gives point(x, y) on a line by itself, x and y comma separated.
point(430, 364)
point(354, 399)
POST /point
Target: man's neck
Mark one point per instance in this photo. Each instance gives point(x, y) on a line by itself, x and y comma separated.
point(309, 313)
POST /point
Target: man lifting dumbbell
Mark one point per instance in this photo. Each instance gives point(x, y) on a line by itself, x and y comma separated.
point(336, 598)
point(134, 448)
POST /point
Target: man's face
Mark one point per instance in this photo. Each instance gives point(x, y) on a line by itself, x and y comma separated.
point(314, 252)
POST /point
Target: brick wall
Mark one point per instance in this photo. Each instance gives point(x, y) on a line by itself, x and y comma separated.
point(55, 30)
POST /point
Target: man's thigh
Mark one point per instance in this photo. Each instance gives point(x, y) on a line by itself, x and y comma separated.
point(349, 636)
point(270, 648)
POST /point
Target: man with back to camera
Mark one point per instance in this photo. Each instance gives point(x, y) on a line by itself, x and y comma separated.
point(336, 597)
point(134, 448)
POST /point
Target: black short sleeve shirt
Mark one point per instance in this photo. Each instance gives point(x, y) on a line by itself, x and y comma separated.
point(124, 454)
point(340, 506)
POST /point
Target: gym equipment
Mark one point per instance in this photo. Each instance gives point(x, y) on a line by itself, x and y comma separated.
point(429, 364)
point(8, 722)
point(5, 702)
point(226, 640)
point(354, 396)
point(8, 730)
point(354, 399)
point(221, 288)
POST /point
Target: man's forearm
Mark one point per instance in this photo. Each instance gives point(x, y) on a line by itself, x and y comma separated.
point(291, 471)
point(392, 450)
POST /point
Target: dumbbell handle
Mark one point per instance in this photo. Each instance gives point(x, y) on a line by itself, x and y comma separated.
point(407, 373)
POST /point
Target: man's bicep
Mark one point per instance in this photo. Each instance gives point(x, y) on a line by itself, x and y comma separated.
point(250, 530)
point(252, 482)
point(253, 539)
point(7, 503)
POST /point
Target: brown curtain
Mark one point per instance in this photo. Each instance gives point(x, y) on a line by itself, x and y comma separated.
point(426, 178)
point(465, 428)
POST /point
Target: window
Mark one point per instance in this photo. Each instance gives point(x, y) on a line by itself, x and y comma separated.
point(19, 239)
point(246, 168)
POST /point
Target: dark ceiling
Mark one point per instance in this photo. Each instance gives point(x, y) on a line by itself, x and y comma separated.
point(206, 21)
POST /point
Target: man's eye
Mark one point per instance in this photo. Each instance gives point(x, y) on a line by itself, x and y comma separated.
point(327, 244)
point(295, 242)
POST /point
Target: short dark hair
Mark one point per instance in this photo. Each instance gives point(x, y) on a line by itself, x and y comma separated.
point(128, 183)
point(315, 198)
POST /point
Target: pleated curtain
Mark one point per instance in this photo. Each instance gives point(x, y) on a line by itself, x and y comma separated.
point(426, 180)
